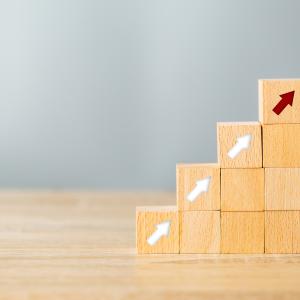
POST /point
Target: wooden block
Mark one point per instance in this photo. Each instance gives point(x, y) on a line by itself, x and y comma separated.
point(157, 229)
point(200, 232)
point(239, 145)
point(282, 188)
point(198, 186)
point(281, 146)
point(242, 232)
point(282, 231)
point(275, 97)
point(242, 189)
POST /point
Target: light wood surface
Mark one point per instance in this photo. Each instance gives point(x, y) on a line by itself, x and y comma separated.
point(242, 232)
point(242, 190)
point(282, 188)
point(269, 96)
point(187, 175)
point(282, 231)
point(81, 245)
point(281, 146)
point(200, 232)
point(228, 133)
point(147, 219)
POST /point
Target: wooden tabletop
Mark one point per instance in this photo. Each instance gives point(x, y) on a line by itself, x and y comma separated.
point(81, 245)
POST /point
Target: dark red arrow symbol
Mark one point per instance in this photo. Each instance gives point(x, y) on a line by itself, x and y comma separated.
point(286, 99)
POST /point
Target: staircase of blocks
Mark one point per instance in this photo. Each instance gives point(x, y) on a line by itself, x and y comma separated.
point(248, 202)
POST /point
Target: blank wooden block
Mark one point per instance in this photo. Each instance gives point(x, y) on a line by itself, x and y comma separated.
point(200, 232)
point(231, 137)
point(242, 189)
point(282, 188)
point(147, 219)
point(281, 146)
point(282, 232)
point(270, 92)
point(242, 232)
point(189, 176)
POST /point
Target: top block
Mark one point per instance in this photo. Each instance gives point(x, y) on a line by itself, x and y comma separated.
point(239, 145)
point(279, 101)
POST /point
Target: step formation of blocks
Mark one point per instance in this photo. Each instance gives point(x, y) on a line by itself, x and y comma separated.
point(248, 202)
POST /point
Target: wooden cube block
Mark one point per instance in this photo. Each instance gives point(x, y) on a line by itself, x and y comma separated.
point(198, 186)
point(282, 231)
point(242, 232)
point(282, 188)
point(157, 229)
point(281, 146)
point(200, 232)
point(242, 189)
point(279, 101)
point(239, 145)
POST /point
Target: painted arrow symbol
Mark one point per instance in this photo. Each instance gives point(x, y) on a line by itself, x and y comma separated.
point(162, 229)
point(241, 144)
point(202, 186)
point(286, 99)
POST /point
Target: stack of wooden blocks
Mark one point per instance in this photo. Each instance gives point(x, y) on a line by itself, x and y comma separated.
point(247, 203)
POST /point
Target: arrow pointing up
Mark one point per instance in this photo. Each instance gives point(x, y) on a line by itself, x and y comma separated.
point(201, 187)
point(286, 99)
point(241, 144)
point(162, 229)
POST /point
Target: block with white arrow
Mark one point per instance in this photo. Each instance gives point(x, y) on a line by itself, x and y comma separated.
point(243, 143)
point(202, 186)
point(162, 229)
point(157, 229)
point(239, 144)
point(198, 186)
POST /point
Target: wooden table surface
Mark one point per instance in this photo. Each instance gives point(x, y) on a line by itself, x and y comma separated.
point(81, 245)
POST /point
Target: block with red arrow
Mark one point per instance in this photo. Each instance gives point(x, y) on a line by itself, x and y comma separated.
point(279, 101)
point(286, 99)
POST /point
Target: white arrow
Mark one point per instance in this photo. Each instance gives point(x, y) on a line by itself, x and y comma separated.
point(241, 144)
point(201, 187)
point(163, 229)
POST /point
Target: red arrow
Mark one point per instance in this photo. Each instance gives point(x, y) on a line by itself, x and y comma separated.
point(286, 99)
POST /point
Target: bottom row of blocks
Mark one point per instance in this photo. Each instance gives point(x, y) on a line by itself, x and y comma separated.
point(216, 232)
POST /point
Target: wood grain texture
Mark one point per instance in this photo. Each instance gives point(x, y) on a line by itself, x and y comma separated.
point(228, 133)
point(269, 96)
point(242, 190)
point(187, 175)
point(147, 218)
point(77, 245)
point(282, 188)
point(281, 146)
point(282, 231)
point(242, 232)
point(200, 232)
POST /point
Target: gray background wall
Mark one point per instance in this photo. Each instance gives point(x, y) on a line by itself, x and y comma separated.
point(111, 94)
